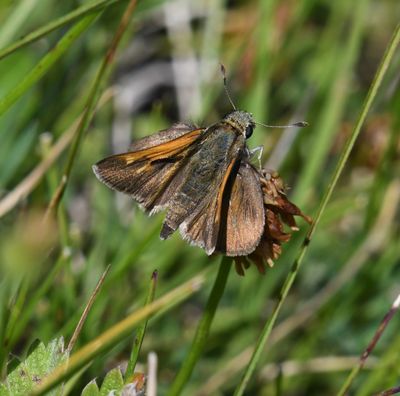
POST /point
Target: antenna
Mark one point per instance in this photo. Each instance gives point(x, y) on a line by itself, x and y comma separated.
point(300, 124)
point(223, 72)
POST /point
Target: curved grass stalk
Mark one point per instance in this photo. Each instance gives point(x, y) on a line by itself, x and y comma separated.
point(387, 58)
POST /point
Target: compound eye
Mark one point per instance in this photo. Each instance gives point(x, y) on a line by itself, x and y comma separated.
point(249, 130)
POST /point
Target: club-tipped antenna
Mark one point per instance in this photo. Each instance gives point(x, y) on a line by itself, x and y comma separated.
point(300, 124)
point(223, 72)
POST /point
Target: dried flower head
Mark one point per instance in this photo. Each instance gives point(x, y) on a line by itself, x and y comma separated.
point(278, 212)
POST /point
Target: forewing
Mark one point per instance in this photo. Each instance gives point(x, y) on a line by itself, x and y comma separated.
point(243, 215)
point(145, 172)
point(166, 135)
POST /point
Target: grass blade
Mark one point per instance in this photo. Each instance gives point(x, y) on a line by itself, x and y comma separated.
point(86, 311)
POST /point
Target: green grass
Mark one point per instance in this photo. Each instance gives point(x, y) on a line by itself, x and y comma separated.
point(312, 60)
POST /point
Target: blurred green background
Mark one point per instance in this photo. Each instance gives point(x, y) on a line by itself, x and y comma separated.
point(286, 61)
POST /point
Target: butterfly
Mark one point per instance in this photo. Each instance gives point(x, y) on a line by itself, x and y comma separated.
point(201, 177)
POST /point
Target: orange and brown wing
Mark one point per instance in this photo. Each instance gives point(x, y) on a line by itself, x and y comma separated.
point(145, 172)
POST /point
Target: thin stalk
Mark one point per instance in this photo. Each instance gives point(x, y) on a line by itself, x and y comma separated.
point(203, 329)
point(56, 24)
point(137, 343)
point(389, 392)
point(337, 173)
point(86, 311)
point(356, 369)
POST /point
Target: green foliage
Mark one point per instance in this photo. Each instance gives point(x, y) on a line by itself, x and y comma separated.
point(113, 384)
point(31, 372)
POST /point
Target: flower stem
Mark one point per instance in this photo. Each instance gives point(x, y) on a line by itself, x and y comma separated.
point(203, 328)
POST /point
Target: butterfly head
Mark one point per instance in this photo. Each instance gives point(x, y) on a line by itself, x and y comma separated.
point(242, 121)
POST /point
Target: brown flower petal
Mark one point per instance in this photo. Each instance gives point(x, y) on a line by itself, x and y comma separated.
point(278, 212)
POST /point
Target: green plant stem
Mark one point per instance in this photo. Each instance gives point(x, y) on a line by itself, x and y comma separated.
point(45, 63)
point(137, 343)
point(58, 23)
point(203, 329)
point(117, 333)
point(338, 171)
